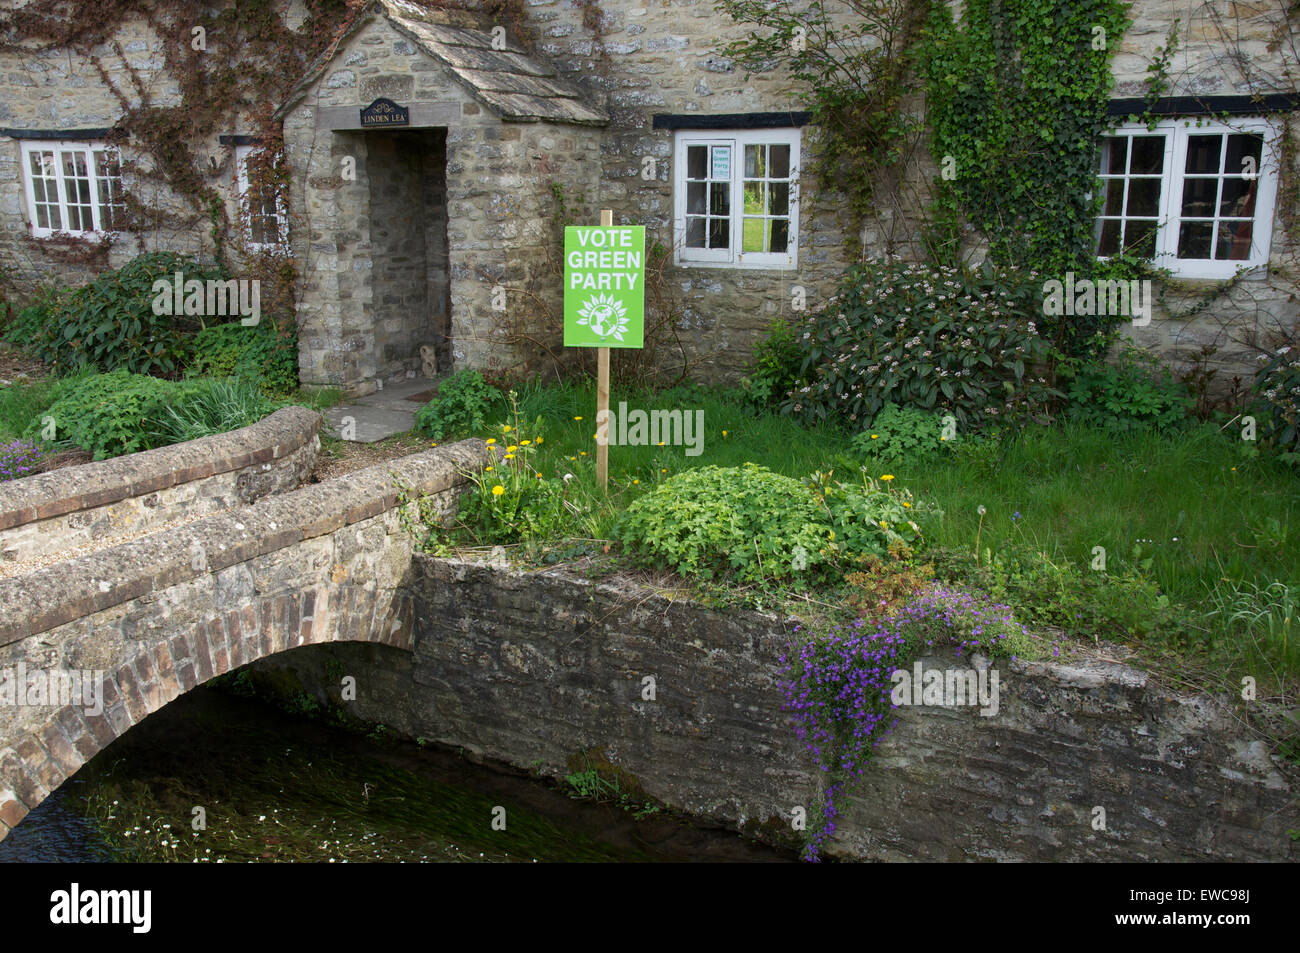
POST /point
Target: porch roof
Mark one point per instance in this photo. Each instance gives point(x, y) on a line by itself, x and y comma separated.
point(516, 86)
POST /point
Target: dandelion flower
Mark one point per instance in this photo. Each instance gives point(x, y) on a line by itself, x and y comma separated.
point(634, 482)
point(498, 490)
point(508, 456)
point(887, 477)
point(582, 453)
point(486, 469)
point(724, 433)
point(539, 440)
point(433, 445)
point(577, 418)
point(907, 504)
point(875, 436)
point(524, 443)
point(980, 509)
point(573, 458)
point(661, 443)
point(505, 428)
point(663, 470)
point(511, 449)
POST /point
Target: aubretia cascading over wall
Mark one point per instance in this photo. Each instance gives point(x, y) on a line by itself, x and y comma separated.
point(18, 458)
point(837, 684)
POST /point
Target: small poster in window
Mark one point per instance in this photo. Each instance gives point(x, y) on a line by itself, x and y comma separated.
point(721, 162)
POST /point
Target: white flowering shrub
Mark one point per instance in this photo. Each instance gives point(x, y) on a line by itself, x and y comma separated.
point(933, 338)
point(1277, 383)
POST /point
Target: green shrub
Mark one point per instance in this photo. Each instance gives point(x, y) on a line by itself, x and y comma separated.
point(464, 403)
point(1277, 384)
point(756, 525)
point(110, 414)
point(941, 339)
point(1136, 394)
point(258, 353)
point(215, 405)
point(27, 326)
point(900, 433)
point(777, 359)
point(110, 323)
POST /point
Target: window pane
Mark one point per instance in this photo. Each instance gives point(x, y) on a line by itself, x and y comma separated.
point(1114, 197)
point(1108, 237)
point(719, 233)
point(720, 198)
point(1234, 240)
point(45, 189)
point(1203, 153)
point(1199, 197)
point(780, 235)
point(1148, 155)
point(1240, 149)
point(778, 161)
point(696, 197)
point(1114, 154)
point(695, 233)
point(755, 162)
point(1143, 197)
point(751, 238)
point(754, 198)
point(1140, 237)
point(1237, 198)
point(778, 199)
point(1194, 240)
point(697, 162)
point(721, 164)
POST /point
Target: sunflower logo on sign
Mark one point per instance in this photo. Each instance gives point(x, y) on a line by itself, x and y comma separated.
point(605, 315)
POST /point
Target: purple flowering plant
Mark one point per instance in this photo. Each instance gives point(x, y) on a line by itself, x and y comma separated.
point(17, 459)
point(837, 681)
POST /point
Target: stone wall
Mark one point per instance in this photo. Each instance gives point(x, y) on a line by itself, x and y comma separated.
point(530, 668)
point(328, 562)
point(52, 512)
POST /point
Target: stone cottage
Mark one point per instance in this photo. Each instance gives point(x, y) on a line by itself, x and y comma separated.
point(428, 151)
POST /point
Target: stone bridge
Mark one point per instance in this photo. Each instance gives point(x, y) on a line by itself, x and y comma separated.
point(164, 569)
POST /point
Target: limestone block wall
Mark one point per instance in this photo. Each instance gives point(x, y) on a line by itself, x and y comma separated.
point(662, 58)
point(327, 562)
point(129, 495)
point(529, 668)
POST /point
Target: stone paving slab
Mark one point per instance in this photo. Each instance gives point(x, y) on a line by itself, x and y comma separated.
point(370, 424)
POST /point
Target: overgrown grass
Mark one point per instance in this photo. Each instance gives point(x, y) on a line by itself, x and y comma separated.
point(1187, 512)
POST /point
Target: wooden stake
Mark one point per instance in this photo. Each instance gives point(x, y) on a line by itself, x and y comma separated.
point(602, 392)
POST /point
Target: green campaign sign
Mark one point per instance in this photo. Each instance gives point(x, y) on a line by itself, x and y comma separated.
point(604, 286)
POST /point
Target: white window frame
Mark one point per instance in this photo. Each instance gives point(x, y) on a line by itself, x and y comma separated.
point(733, 257)
point(242, 155)
point(1173, 179)
point(88, 150)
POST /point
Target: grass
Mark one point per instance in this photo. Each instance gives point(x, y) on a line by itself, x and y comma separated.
point(1189, 512)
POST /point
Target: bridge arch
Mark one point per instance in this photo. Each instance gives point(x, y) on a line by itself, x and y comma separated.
point(151, 618)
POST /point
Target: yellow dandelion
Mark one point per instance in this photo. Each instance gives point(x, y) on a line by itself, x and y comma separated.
point(907, 504)
point(875, 436)
point(887, 477)
point(433, 445)
point(498, 490)
point(582, 453)
point(664, 470)
point(491, 440)
point(634, 482)
point(661, 443)
point(539, 440)
point(884, 525)
point(524, 443)
point(724, 433)
point(511, 449)
point(486, 469)
point(539, 476)
point(505, 428)
point(573, 458)
point(508, 456)
point(577, 418)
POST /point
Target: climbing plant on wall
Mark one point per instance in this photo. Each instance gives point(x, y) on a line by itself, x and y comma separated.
point(1016, 94)
point(852, 58)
